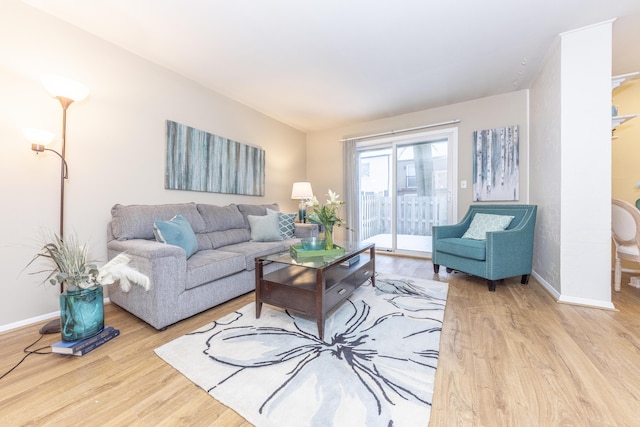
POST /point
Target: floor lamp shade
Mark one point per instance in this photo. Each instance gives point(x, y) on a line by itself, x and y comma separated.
point(61, 87)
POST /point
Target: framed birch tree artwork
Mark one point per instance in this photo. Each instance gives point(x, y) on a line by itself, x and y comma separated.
point(201, 161)
point(496, 164)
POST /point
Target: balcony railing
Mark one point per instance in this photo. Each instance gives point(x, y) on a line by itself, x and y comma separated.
point(416, 215)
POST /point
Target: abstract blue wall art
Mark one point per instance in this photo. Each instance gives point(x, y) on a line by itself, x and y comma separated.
point(496, 164)
point(201, 161)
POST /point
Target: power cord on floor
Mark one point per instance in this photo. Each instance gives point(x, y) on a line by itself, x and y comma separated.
point(29, 353)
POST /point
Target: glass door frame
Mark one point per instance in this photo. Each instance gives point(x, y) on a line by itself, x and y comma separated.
point(451, 134)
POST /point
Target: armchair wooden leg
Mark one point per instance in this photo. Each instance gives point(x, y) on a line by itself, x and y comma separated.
point(617, 277)
point(525, 279)
point(492, 285)
point(436, 268)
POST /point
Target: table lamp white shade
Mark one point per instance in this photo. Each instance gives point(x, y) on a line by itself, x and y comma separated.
point(301, 190)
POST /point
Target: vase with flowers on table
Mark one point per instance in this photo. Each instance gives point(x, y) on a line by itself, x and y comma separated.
point(327, 216)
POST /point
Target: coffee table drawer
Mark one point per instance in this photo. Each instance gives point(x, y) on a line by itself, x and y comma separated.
point(344, 288)
point(299, 300)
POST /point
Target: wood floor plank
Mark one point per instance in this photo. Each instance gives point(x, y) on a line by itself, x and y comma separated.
point(513, 357)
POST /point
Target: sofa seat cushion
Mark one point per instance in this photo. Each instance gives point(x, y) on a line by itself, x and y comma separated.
point(466, 248)
point(206, 266)
point(251, 250)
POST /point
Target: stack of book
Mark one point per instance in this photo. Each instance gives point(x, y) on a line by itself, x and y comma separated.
point(82, 347)
point(348, 263)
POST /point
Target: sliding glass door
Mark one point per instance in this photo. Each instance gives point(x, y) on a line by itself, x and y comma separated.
point(405, 186)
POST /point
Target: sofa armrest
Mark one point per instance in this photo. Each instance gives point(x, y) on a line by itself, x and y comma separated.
point(166, 267)
point(144, 248)
point(306, 230)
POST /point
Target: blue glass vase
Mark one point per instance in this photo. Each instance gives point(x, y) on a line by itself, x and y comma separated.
point(81, 313)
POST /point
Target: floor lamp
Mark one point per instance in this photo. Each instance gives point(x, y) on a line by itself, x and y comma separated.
point(66, 92)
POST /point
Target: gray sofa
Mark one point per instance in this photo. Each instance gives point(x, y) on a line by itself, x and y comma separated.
point(220, 270)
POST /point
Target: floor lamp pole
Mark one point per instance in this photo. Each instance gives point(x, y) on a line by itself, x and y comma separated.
point(53, 327)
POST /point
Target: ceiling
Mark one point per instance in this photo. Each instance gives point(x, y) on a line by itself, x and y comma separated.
point(319, 64)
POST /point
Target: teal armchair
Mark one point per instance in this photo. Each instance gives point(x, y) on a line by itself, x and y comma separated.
point(503, 254)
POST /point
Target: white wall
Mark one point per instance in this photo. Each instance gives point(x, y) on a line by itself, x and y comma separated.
point(545, 162)
point(571, 167)
point(115, 144)
point(324, 160)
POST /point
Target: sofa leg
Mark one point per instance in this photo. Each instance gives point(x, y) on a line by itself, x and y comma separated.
point(525, 279)
point(492, 285)
point(436, 268)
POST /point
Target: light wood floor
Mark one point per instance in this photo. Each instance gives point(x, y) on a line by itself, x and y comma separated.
point(510, 358)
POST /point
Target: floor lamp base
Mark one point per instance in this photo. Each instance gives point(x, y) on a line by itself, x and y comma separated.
point(52, 327)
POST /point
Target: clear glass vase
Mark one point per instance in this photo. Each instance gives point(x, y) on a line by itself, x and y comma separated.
point(81, 313)
point(328, 237)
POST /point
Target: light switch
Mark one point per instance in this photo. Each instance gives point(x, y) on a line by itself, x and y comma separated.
point(463, 184)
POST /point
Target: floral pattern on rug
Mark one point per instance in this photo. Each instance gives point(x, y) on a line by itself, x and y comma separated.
point(376, 365)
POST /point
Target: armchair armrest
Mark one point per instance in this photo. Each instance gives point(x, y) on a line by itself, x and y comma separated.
point(510, 252)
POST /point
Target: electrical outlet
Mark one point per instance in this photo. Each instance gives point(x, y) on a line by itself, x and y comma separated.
point(463, 184)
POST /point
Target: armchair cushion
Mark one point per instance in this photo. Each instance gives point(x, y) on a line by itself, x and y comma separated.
point(483, 223)
point(466, 248)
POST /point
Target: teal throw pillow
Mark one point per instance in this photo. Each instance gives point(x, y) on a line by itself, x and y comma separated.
point(483, 223)
point(264, 228)
point(178, 232)
point(286, 223)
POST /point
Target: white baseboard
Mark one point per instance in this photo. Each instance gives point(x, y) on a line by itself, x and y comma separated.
point(547, 287)
point(563, 299)
point(32, 320)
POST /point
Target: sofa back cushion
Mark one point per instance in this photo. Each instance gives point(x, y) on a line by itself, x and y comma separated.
point(256, 210)
point(224, 225)
point(136, 221)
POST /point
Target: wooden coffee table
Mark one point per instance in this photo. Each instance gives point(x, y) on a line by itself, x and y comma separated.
point(313, 286)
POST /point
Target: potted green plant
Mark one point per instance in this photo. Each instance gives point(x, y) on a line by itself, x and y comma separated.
point(81, 283)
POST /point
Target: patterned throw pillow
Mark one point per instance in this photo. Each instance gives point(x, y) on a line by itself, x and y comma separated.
point(178, 232)
point(286, 223)
point(482, 223)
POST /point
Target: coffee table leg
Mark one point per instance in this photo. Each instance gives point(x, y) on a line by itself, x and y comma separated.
point(258, 286)
point(321, 328)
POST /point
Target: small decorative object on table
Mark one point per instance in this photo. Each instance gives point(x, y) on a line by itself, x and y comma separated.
point(81, 300)
point(327, 215)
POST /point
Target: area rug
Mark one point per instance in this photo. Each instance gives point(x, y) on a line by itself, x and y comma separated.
point(375, 366)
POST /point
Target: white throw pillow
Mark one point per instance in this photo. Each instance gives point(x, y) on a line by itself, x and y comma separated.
point(482, 223)
point(264, 228)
